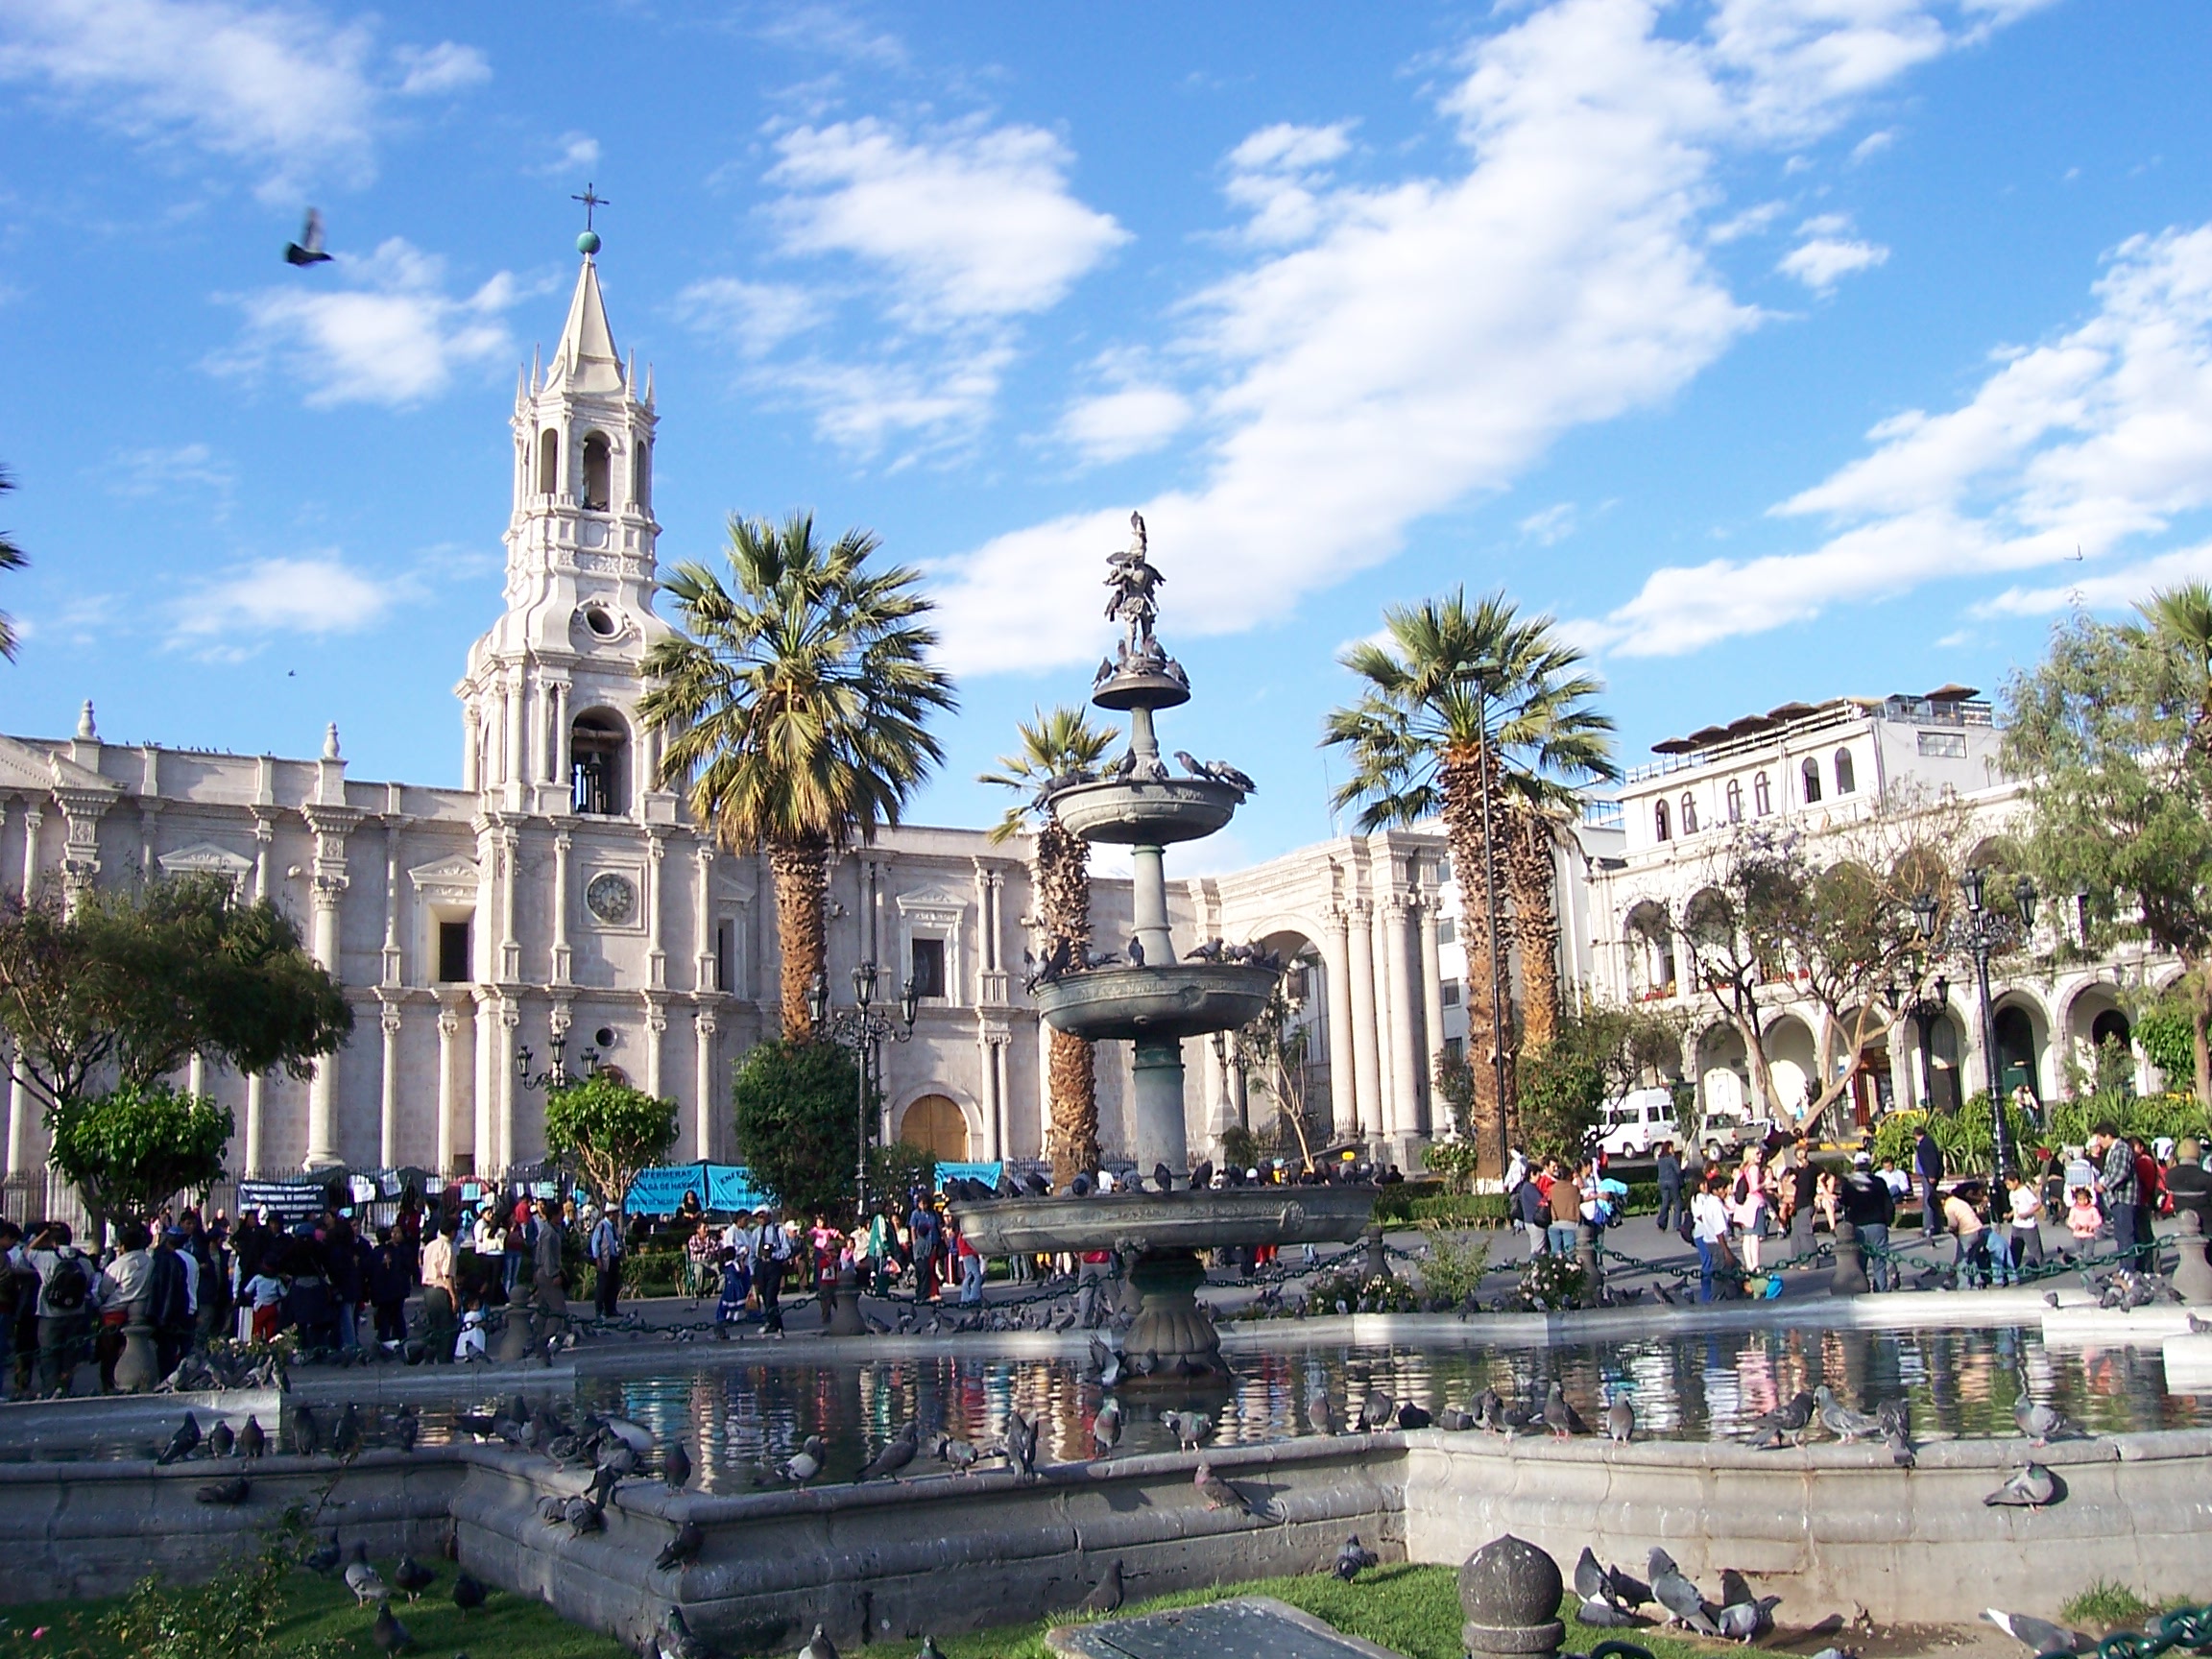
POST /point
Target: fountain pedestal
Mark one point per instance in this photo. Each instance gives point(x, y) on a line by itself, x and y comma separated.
point(1172, 1340)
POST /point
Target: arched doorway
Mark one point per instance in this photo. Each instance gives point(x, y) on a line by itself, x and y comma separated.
point(936, 1125)
point(2017, 1060)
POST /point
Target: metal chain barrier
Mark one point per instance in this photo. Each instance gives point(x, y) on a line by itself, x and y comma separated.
point(2188, 1627)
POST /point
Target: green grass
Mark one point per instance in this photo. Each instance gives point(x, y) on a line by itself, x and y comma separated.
point(2108, 1607)
point(1412, 1610)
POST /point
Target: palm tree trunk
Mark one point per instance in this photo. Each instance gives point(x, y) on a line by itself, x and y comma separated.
point(1063, 903)
point(1464, 776)
point(800, 870)
point(1532, 878)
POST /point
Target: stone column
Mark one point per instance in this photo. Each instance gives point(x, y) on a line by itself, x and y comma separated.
point(656, 956)
point(655, 1030)
point(563, 768)
point(503, 1084)
point(1336, 985)
point(257, 1121)
point(510, 879)
point(516, 741)
point(322, 1091)
point(703, 1113)
point(448, 1081)
point(32, 818)
point(1366, 1060)
point(1431, 1011)
point(703, 964)
point(388, 1104)
point(1405, 1054)
point(19, 1111)
point(1002, 1047)
point(563, 958)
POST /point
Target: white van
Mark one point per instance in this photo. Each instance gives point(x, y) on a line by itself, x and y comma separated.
point(1638, 1121)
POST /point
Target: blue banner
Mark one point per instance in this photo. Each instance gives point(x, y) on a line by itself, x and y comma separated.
point(723, 1186)
point(987, 1173)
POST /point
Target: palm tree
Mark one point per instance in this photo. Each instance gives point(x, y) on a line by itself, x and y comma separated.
point(2180, 618)
point(1467, 711)
point(794, 710)
point(1052, 744)
point(11, 558)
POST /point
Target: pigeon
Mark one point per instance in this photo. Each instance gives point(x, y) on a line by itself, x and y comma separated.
point(635, 1435)
point(1590, 1581)
point(469, 1594)
point(676, 1467)
point(898, 1452)
point(1741, 1621)
point(1678, 1595)
point(362, 1579)
point(929, 1649)
point(1163, 1178)
point(1790, 1417)
point(253, 1439)
point(684, 1548)
point(1218, 1493)
point(674, 1639)
point(2042, 1424)
point(585, 1514)
point(308, 250)
point(1321, 1414)
point(306, 1431)
point(1354, 1558)
point(1106, 1429)
point(818, 1647)
point(412, 1577)
point(323, 1560)
point(2049, 1298)
point(387, 1632)
point(1619, 1419)
point(222, 1441)
point(346, 1436)
point(183, 1442)
point(2038, 1635)
point(958, 1453)
point(807, 1462)
point(1107, 1596)
point(406, 1428)
point(1020, 1445)
point(1602, 1614)
point(1202, 1177)
point(1376, 1413)
point(1840, 1421)
point(229, 1493)
point(1135, 951)
point(2033, 1487)
point(1555, 1414)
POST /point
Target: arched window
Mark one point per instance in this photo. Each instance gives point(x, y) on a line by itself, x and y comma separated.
point(599, 461)
point(1734, 802)
point(1846, 778)
point(548, 462)
point(1762, 797)
point(1811, 772)
point(642, 478)
point(1661, 829)
point(1688, 815)
point(598, 750)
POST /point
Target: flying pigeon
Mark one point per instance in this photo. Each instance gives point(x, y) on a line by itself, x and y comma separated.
point(685, 1547)
point(413, 1577)
point(1107, 1596)
point(2038, 1635)
point(1590, 1581)
point(182, 1443)
point(387, 1632)
point(2033, 1487)
point(898, 1452)
point(308, 250)
point(362, 1579)
point(1106, 1427)
point(676, 1467)
point(1354, 1558)
point(229, 1493)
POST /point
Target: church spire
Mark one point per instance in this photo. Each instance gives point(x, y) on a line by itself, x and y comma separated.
point(585, 358)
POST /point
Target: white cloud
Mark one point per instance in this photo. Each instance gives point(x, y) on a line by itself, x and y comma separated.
point(1751, 222)
point(2077, 446)
point(230, 617)
point(1276, 176)
point(757, 317)
point(835, 31)
point(446, 67)
point(281, 89)
point(396, 340)
point(1438, 333)
point(579, 151)
point(2113, 589)
point(970, 222)
point(1828, 254)
point(1550, 526)
point(163, 472)
point(1135, 420)
point(864, 405)
point(1873, 144)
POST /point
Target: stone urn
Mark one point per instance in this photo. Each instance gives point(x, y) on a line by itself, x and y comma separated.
point(138, 1368)
point(1850, 1276)
point(2192, 1273)
point(1509, 1591)
point(845, 1310)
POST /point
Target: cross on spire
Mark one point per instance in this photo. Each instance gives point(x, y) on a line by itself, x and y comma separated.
point(592, 202)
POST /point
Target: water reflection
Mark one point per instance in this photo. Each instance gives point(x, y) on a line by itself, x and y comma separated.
point(746, 1418)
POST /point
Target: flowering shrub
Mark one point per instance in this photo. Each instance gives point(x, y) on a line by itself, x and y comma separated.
point(1552, 1284)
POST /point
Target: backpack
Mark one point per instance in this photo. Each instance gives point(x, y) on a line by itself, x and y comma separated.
point(68, 1289)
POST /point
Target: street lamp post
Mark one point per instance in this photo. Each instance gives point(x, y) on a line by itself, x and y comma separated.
point(1978, 935)
point(555, 1076)
point(861, 1030)
point(1923, 1010)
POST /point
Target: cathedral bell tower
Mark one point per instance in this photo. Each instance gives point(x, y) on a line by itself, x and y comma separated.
point(551, 693)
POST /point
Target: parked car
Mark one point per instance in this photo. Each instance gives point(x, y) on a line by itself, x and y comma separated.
point(1631, 1126)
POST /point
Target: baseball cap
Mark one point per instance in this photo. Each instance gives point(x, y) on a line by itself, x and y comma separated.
point(1861, 1160)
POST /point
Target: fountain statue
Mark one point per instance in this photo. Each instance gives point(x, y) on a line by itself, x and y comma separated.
point(1152, 996)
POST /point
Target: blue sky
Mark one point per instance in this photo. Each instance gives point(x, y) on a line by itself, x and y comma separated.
point(1780, 348)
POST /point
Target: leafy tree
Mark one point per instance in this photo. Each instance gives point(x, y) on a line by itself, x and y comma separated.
point(796, 1123)
point(128, 1150)
point(795, 708)
point(2163, 1031)
point(1757, 896)
point(122, 989)
point(1271, 1049)
point(1052, 745)
point(11, 558)
point(1453, 1082)
point(1599, 1054)
point(610, 1132)
point(2113, 730)
point(898, 1169)
point(1457, 700)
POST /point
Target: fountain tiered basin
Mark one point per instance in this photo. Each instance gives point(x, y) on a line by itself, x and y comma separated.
point(1143, 1224)
point(1137, 1005)
point(1153, 815)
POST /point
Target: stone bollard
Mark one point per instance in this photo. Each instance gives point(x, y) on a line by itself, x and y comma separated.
point(845, 1309)
point(2192, 1273)
point(519, 1335)
point(1850, 1276)
point(1509, 1591)
point(1587, 1259)
point(138, 1368)
point(1378, 1264)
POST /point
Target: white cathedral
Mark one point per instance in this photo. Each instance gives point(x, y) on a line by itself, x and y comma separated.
point(558, 895)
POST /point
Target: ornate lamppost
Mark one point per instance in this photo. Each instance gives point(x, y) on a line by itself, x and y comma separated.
point(1978, 935)
point(1923, 1010)
point(861, 1028)
point(556, 1075)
